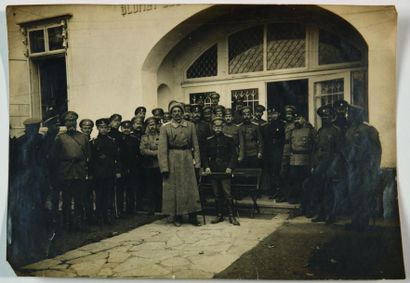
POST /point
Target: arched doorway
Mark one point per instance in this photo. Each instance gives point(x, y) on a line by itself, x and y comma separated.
point(273, 55)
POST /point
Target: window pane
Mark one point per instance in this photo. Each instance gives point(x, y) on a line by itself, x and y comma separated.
point(55, 38)
point(203, 98)
point(286, 46)
point(246, 51)
point(36, 41)
point(333, 49)
point(205, 65)
point(359, 91)
point(249, 96)
point(328, 92)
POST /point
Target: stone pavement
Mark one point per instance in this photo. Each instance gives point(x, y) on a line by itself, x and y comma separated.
point(161, 250)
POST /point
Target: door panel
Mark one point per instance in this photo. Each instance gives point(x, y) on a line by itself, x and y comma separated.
point(326, 90)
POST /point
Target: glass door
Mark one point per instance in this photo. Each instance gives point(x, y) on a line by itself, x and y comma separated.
point(325, 90)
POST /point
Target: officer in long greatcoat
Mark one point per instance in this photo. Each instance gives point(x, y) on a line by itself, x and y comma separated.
point(178, 156)
point(324, 199)
point(274, 139)
point(362, 151)
point(28, 185)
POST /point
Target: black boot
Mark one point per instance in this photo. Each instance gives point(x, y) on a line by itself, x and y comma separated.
point(194, 220)
point(219, 218)
point(178, 220)
point(233, 220)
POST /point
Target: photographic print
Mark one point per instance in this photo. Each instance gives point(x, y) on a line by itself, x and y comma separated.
point(203, 141)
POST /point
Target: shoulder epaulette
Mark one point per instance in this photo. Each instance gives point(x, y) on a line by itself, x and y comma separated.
point(167, 123)
point(208, 138)
point(229, 136)
point(256, 124)
point(240, 124)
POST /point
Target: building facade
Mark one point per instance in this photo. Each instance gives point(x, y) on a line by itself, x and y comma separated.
point(99, 60)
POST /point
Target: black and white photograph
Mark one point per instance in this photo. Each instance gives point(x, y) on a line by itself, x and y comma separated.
point(203, 141)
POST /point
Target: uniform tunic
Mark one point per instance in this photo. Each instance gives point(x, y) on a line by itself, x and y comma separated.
point(71, 151)
point(252, 140)
point(220, 153)
point(178, 154)
point(302, 141)
point(233, 131)
point(149, 152)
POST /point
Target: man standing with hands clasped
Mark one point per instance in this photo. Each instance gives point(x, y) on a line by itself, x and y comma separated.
point(220, 158)
point(178, 156)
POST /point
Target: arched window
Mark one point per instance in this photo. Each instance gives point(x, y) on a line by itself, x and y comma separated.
point(205, 66)
point(246, 51)
point(286, 46)
point(334, 49)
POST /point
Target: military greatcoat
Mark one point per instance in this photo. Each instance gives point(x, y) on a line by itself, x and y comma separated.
point(178, 154)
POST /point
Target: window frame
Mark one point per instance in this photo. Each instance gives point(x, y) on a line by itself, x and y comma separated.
point(311, 56)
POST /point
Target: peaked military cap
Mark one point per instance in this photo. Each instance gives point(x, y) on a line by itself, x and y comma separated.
point(355, 110)
point(137, 119)
point(196, 108)
point(126, 124)
point(187, 107)
point(219, 108)
point(218, 120)
point(207, 109)
point(140, 109)
point(69, 115)
point(157, 111)
point(86, 122)
point(340, 105)
point(174, 104)
point(246, 107)
point(115, 117)
point(260, 108)
point(228, 111)
point(152, 118)
point(102, 122)
point(54, 120)
point(32, 121)
point(272, 110)
point(325, 111)
point(290, 108)
point(215, 95)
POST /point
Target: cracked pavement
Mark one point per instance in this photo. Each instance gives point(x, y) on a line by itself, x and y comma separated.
point(161, 250)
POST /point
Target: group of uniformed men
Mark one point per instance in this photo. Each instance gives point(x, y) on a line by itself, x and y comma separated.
point(154, 164)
